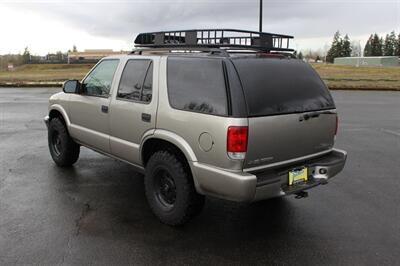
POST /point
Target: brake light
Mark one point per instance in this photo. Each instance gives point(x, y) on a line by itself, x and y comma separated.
point(237, 142)
point(337, 125)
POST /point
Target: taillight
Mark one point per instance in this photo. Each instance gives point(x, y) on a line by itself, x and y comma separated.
point(237, 142)
point(337, 124)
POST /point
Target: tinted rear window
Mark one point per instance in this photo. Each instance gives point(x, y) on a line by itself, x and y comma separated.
point(197, 84)
point(279, 86)
point(133, 85)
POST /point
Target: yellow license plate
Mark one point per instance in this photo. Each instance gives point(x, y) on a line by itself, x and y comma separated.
point(298, 176)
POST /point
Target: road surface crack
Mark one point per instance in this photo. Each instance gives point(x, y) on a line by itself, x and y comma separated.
point(78, 223)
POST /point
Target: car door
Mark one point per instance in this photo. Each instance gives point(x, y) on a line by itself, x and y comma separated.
point(89, 110)
point(133, 108)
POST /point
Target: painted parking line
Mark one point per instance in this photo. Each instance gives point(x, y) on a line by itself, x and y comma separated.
point(392, 132)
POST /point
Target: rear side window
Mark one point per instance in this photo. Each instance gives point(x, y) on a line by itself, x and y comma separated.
point(281, 86)
point(136, 81)
point(197, 84)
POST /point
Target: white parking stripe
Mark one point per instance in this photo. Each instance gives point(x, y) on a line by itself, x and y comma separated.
point(391, 132)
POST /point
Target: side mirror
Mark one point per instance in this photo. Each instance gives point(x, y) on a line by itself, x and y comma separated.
point(71, 86)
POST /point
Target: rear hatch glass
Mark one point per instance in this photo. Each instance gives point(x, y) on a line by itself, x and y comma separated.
point(281, 86)
point(288, 111)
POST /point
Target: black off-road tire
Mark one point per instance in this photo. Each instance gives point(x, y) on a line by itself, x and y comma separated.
point(63, 149)
point(165, 165)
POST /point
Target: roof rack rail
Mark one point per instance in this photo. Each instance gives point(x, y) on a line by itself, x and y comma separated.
point(228, 39)
point(211, 51)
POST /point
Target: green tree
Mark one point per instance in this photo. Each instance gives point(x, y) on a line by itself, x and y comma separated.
point(346, 47)
point(368, 46)
point(389, 46)
point(336, 48)
point(380, 47)
point(300, 56)
point(74, 49)
point(397, 46)
point(26, 56)
point(376, 45)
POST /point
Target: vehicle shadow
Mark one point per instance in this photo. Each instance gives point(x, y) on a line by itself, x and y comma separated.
point(111, 196)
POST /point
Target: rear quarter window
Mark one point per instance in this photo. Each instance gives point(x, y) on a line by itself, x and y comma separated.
point(281, 86)
point(197, 85)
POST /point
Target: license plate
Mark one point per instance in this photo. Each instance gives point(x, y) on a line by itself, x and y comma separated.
point(298, 176)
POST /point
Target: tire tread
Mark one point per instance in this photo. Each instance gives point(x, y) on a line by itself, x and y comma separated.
point(195, 201)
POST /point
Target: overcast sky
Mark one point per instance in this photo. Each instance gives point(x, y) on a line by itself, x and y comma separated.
point(52, 25)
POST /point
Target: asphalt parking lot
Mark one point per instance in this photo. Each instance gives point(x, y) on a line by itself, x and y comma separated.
point(96, 212)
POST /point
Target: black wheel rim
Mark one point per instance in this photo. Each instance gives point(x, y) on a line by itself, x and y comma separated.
point(56, 143)
point(165, 189)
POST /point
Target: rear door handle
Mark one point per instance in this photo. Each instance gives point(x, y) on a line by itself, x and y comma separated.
point(104, 109)
point(146, 117)
point(316, 114)
point(308, 116)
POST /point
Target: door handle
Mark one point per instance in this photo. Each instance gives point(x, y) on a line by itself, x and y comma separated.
point(104, 109)
point(146, 117)
point(309, 115)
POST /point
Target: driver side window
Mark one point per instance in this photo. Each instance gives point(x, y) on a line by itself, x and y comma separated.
point(99, 81)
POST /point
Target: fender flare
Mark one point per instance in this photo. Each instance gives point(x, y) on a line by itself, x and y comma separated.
point(173, 138)
point(181, 144)
point(59, 108)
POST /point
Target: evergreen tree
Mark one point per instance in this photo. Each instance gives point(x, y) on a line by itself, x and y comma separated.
point(26, 56)
point(397, 46)
point(376, 45)
point(300, 56)
point(389, 46)
point(368, 46)
point(380, 47)
point(336, 48)
point(346, 47)
point(393, 41)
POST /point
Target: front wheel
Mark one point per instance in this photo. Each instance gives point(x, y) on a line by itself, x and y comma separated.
point(63, 149)
point(170, 190)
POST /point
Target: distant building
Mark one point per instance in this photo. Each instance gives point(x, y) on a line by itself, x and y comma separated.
point(382, 61)
point(10, 67)
point(90, 56)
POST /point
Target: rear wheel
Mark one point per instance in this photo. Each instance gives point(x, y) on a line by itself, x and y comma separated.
point(170, 190)
point(63, 150)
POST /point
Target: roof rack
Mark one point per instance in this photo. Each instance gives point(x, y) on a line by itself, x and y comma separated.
point(210, 51)
point(228, 39)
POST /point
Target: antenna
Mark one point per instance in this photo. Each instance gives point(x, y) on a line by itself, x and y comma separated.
point(261, 15)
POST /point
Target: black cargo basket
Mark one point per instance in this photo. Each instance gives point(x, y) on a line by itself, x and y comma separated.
point(229, 39)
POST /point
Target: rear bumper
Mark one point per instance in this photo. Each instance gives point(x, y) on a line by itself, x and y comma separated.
point(246, 187)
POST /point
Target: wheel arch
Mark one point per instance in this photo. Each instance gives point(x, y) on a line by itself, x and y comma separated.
point(57, 110)
point(168, 138)
point(163, 139)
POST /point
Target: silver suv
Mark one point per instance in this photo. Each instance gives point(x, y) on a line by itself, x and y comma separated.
point(243, 125)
